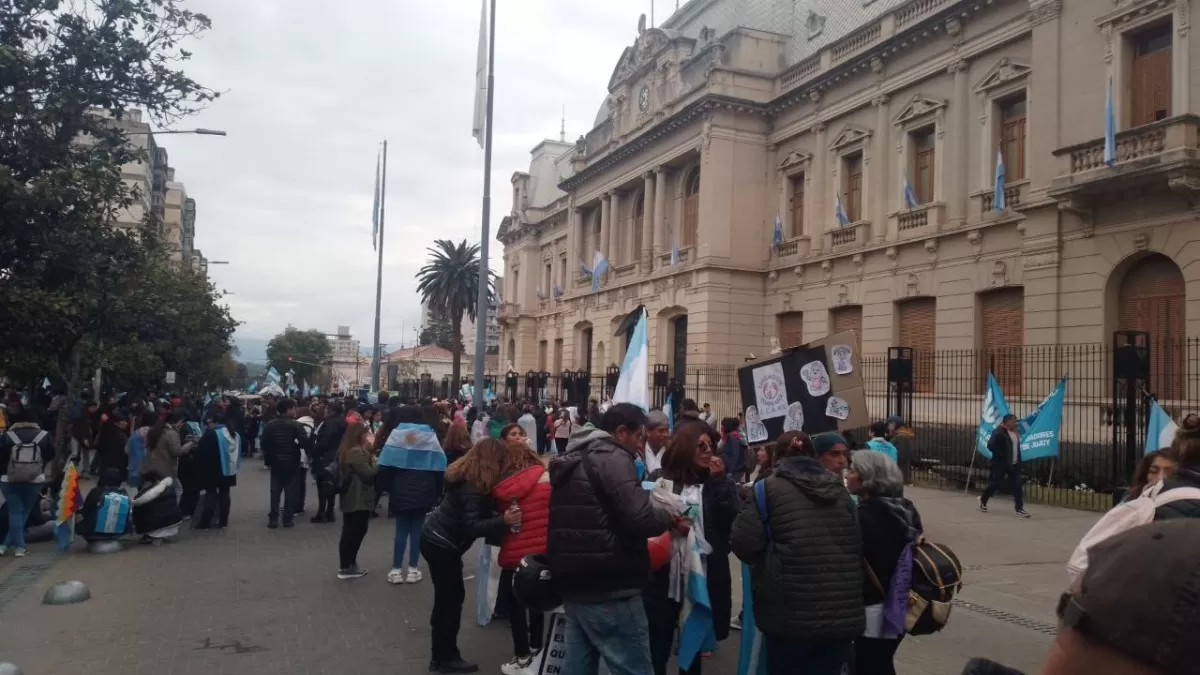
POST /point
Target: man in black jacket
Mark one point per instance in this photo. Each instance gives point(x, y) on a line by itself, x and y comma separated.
point(600, 519)
point(328, 438)
point(282, 440)
point(1005, 446)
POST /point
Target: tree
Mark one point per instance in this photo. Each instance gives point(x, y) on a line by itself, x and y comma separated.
point(450, 280)
point(298, 350)
point(439, 331)
point(71, 72)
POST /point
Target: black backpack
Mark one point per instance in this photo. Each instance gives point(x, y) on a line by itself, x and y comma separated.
point(936, 577)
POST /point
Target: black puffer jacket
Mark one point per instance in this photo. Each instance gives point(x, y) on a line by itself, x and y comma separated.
point(281, 440)
point(888, 524)
point(808, 585)
point(325, 445)
point(599, 524)
point(1185, 508)
point(464, 515)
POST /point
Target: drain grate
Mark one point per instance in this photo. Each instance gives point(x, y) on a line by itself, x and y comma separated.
point(19, 581)
point(1009, 618)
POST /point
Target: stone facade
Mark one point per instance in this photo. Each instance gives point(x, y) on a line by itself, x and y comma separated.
point(710, 136)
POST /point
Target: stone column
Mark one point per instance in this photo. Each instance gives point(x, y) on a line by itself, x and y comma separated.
point(956, 186)
point(615, 256)
point(605, 224)
point(649, 208)
point(818, 217)
point(573, 237)
point(884, 184)
point(660, 210)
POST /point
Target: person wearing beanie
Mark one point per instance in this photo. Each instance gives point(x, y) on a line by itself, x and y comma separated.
point(658, 432)
point(810, 607)
point(901, 436)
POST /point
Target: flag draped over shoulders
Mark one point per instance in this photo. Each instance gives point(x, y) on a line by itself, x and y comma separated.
point(413, 446)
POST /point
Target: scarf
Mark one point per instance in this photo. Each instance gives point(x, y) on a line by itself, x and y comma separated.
point(413, 446)
point(227, 442)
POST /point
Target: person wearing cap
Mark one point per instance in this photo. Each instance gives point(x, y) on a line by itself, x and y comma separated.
point(807, 575)
point(901, 436)
point(1133, 612)
point(658, 432)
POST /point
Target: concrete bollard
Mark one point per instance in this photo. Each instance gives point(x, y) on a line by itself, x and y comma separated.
point(67, 593)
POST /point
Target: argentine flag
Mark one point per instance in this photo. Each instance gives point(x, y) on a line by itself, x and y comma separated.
point(635, 371)
point(777, 236)
point(415, 447)
point(1160, 429)
point(998, 201)
point(839, 212)
point(1110, 128)
point(910, 197)
point(272, 376)
point(599, 267)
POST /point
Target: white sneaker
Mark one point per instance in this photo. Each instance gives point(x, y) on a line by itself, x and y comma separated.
point(412, 576)
point(3, 550)
point(396, 576)
point(518, 666)
point(20, 553)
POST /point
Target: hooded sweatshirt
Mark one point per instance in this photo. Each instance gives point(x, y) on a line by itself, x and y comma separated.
point(808, 580)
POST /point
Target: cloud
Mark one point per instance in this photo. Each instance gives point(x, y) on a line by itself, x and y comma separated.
point(311, 88)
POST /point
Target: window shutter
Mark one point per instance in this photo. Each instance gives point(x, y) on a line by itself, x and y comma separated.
point(1003, 328)
point(1152, 299)
point(791, 329)
point(917, 320)
point(848, 318)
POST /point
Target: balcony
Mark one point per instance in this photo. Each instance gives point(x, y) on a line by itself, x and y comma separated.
point(1015, 194)
point(1166, 152)
point(509, 311)
point(664, 259)
point(626, 270)
point(919, 221)
point(849, 236)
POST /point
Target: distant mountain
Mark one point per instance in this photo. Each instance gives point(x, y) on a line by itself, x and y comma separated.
point(251, 350)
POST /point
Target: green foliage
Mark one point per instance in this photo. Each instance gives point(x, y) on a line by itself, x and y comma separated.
point(450, 280)
point(439, 331)
point(306, 347)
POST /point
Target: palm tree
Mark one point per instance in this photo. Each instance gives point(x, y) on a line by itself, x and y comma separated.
point(449, 282)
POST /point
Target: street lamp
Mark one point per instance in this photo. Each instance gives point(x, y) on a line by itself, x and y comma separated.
point(218, 262)
point(197, 132)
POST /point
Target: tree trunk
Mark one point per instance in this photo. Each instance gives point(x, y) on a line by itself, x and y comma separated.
point(62, 440)
point(456, 317)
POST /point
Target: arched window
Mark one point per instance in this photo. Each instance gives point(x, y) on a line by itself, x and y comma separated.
point(1152, 299)
point(691, 209)
point(639, 226)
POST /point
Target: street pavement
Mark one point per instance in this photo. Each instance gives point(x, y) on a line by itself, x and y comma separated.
point(253, 601)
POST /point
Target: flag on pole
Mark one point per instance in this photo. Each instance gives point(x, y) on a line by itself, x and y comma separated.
point(376, 202)
point(910, 197)
point(839, 212)
point(599, 267)
point(478, 129)
point(1160, 429)
point(540, 294)
point(272, 376)
point(252, 388)
point(998, 201)
point(635, 370)
point(1110, 128)
point(777, 235)
point(304, 388)
point(558, 291)
point(584, 269)
point(674, 247)
point(69, 503)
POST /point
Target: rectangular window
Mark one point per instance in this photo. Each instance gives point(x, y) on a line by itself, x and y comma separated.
point(924, 151)
point(1002, 331)
point(852, 201)
point(916, 320)
point(1012, 137)
point(1150, 76)
point(847, 318)
point(547, 280)
point(797, 184)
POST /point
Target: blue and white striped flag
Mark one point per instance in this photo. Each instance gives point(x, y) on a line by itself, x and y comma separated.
point(415, 447)
point(999, 203)
point(599, 267)
point(839, 212)
point(777, 235)
point(558, 291)
point(229, 445)
point(113, 515)
point(584, 270)
point(1110, 128)
point(272, 376)
point(632, 385)
point(696, 633)
point(752, 657)
point(910, 197)
point(1160, 429)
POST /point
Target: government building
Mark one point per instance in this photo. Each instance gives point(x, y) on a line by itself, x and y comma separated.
point(828, 165)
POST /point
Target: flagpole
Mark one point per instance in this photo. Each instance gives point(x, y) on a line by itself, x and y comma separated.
point(481, 304)
point(379, 274)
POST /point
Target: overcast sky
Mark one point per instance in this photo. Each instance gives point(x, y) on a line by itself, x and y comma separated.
point(311, 88)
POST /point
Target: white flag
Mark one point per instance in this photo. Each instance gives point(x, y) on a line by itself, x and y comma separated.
point(481, 68)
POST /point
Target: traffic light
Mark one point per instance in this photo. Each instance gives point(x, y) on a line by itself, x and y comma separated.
point(291, 358)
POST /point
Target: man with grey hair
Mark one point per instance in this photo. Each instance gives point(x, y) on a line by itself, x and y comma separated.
point(658, 431)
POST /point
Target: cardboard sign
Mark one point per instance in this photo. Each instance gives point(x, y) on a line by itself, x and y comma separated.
point(552, 660)
point(824, 389)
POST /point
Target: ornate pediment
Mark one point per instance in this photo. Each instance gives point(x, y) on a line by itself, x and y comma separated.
point(647, 46)
point(1006, 70)
point(849, 135)
point(505, 227)
point(794, 159)
point(917, 107)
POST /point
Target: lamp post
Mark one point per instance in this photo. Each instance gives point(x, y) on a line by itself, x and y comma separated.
point(167, 132)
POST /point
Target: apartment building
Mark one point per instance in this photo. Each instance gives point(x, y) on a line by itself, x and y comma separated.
point(872, 132)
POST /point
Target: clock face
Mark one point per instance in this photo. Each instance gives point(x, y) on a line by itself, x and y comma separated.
point(644, 98)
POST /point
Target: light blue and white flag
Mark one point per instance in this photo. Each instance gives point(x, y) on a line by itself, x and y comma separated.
point(314, 390)
point(1110, 128)
point(839, 212)
point(910, 197)
point(252, 388)
point(45, 383)
point(584, 270)
point(228, 443)
point(777, 235)
point(304, 391)
point(696, 634)
point(415, 447)
point(632, 384)
point(272, 376)
point(113, 514)
point(993, 410)
point(558, 291)
point(599, 267)
point(375, 204)
point(1040, 430)
point(1160, 429)
point(999, 203)
point(752, 659)
point(540, 294)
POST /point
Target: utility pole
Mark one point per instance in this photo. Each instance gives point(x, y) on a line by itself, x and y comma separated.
point(482, 302)
point(379, 272)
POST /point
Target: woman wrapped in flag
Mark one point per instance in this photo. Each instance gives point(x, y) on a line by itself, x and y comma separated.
point(216, 468)
point(106, 509)
point(694, 590)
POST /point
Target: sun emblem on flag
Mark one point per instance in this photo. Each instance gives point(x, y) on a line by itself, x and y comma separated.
point(410, 440)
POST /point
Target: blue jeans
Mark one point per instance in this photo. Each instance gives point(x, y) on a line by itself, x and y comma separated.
point(408, 532)
point(22, 499)
point(616, 631)
point(789, 656)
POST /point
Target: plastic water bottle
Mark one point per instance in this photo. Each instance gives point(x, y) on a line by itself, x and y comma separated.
point(515, 507)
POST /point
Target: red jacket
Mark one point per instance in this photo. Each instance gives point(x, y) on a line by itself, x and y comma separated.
point(531, 487)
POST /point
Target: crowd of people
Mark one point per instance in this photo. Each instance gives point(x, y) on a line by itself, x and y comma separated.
point(617, 503)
